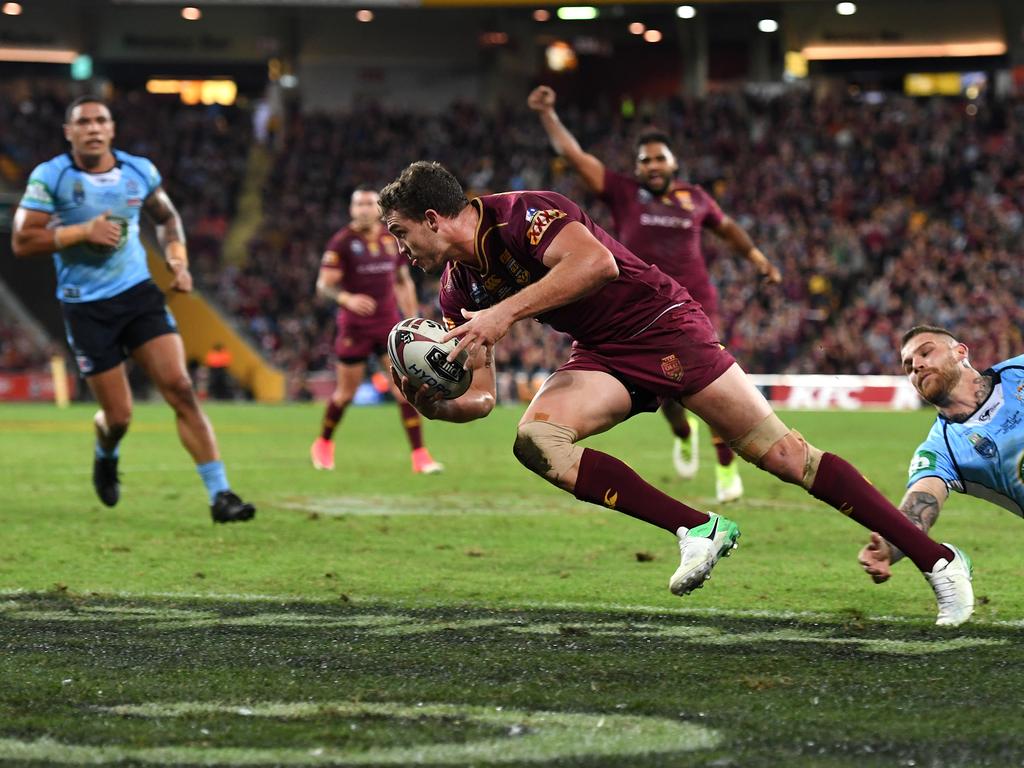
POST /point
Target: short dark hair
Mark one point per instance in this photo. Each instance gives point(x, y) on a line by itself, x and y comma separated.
point(917, 330)
point(651, 136)
point(363, 188)
point(421, 186)
point(87, 99)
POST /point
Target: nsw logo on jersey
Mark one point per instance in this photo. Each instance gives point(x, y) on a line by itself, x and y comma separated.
point(983, 445)
point(923, 460)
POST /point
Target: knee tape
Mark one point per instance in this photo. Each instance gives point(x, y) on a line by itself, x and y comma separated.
point(754, 445)
point(547, 449)
point(811, 461)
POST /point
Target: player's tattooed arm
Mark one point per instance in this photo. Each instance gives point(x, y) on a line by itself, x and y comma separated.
point(170, 233)
point(922, 509)
point(161, 210)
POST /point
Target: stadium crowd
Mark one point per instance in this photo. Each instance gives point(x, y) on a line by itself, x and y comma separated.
point(881, 213)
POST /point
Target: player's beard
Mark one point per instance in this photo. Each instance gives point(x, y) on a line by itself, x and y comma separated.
point(940, 384)
point(661, 188)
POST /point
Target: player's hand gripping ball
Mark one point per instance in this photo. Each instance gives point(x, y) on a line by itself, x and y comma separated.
point(417, 352)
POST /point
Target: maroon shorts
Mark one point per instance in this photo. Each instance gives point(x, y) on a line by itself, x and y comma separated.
point(678, 355)
point(357, 342)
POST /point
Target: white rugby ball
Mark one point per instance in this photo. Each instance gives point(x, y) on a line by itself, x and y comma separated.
point(417, 352)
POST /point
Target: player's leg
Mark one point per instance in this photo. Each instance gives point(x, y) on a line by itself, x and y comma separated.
point(92, 330)
point(422, 462)
point(733, 406)
point(575, 404)
point(112, 393)
point(685, 447)
point(349, 374)
point(163, 359)
point(728, 483)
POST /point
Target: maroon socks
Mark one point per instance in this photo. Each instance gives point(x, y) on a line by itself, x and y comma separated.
point(840, 484)
point(604, 480)
point(332, 415)
point(411, 422)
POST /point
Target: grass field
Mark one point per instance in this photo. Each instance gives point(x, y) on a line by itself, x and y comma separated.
point(371, 617)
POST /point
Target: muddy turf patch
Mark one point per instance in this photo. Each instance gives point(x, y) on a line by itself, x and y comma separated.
point(93, 680)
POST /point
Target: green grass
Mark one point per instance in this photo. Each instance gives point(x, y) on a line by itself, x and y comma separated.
point(382, 618)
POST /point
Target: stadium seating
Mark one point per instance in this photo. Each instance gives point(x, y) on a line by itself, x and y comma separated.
point(881, 213)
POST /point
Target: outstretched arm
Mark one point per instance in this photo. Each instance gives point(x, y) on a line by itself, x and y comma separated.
point(171, 235)
point(921, 504)
point(542, 101)
point(741, 242)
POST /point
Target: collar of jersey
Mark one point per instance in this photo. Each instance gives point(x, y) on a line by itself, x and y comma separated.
point(77, 167)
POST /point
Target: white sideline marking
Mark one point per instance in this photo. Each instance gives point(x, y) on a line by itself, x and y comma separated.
point(530, 737)
point(368, 600)
point(404, 625)
point(439, 505)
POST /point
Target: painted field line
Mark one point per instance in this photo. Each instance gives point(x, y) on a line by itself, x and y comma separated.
point(529, 737)
point(377, 601)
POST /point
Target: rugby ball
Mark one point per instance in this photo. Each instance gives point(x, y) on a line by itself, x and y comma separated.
point(417, 352)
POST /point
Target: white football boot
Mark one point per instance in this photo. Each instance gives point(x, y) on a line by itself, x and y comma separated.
point(951, 581)
point(699, 549)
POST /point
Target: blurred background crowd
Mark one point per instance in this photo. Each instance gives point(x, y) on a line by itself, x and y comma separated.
point(881, 212)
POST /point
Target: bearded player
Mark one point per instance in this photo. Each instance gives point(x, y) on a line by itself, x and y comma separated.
point(660, 219)
point(975, 446)
point(362, 272)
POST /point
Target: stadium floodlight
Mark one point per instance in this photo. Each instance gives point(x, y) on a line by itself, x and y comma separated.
point(577, 13)
point(846, 9)
point(652, 36)
point(12, 9)
point(637, 28)
point(541, 14)
point(768, 25)
point(364, 15)
point(191, 13)
point(560, 56)
point(686, 11)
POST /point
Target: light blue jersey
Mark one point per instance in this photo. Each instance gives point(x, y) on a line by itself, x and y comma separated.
point(72, 196)
point(984, 456)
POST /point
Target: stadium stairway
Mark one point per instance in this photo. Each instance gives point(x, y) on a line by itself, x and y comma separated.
point(249, 214)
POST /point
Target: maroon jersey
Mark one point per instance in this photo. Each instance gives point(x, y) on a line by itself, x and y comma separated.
point(514, 232)
point(665, 231)
point(368, 266)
